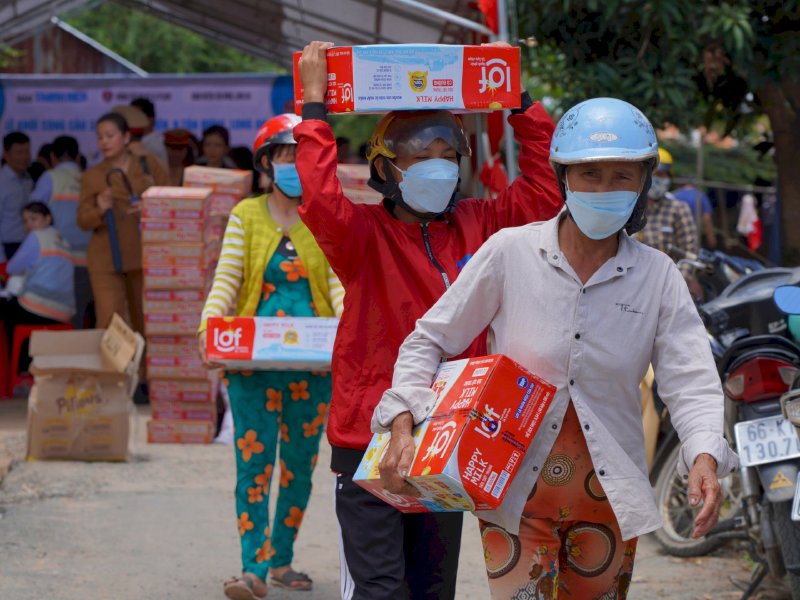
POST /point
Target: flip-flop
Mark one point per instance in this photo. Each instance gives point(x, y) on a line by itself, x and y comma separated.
point(240, 588)
point(292, 580)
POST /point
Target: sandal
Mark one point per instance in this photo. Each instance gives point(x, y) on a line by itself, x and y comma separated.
point(292, 580)
point(240, 588)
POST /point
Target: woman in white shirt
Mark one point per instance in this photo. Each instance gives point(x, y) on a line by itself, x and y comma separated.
point(583, 305)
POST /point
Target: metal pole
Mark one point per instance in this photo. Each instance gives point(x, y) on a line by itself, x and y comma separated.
point(698, 194)
point(448, 17)
point(508, 133)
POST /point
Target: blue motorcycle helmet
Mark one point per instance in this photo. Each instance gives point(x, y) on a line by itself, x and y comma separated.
point(606, 129)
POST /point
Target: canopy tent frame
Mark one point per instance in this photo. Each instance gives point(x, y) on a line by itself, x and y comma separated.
point(295, 22)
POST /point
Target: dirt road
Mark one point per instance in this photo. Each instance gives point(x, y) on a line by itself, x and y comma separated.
point(163, 527)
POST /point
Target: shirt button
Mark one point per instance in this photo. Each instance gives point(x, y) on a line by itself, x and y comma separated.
point(555, 256)
point(619, 269)
point(583, 290)
point(601, 472)
point(586, 427)
point(555, 426)
point(572, 382)
point(577, 336)
point(535, 469)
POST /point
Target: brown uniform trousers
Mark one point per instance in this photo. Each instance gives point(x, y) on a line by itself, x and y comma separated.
point(117, 292)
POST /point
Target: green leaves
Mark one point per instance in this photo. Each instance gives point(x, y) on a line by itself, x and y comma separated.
point(685, 62)
point(730, 24)
point(160, 47)
point(8, 55)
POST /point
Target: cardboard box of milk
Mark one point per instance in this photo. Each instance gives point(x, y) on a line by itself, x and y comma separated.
point(272, 343)
point(379, 78)
point(472, 444)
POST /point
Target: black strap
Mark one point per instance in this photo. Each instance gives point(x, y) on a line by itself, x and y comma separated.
point(144, 165)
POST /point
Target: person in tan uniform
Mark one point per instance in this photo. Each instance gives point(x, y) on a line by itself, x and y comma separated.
point(115, 185)
point(137, 125)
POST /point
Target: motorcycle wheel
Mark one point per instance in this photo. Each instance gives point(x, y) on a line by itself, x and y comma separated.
point(788, 534)
point(673, 505)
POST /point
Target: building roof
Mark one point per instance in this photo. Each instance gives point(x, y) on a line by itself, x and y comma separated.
point(273, 29)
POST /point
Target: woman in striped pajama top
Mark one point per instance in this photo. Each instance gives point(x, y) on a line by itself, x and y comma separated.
point(271, 266)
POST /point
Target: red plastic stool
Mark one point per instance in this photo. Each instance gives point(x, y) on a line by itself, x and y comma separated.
point(4, 366)
point(22, 333)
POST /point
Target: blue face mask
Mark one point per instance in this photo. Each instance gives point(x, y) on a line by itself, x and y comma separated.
point(286, 178)
point(659, 187)
point(428, 186)
point(601, 214)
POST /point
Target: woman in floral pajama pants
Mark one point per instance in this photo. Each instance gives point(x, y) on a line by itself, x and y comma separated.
point(267, 406)
point(271, 266)
point(569, 544)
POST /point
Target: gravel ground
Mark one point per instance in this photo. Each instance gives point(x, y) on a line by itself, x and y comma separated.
point(162, 526)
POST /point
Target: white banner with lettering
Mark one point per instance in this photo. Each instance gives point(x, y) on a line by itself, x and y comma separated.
point(45, 107)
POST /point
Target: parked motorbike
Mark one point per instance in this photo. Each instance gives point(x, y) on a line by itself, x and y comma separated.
point(755, 372)
point(743, 310)
point(787, 298)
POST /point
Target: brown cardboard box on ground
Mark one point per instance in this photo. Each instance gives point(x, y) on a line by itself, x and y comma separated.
point(79, 406)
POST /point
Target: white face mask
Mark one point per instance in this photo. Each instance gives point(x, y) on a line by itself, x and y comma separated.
point(659, 187)
point(428, 186)
point(600, 214)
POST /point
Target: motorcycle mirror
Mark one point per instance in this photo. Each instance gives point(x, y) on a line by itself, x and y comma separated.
point(787, 299)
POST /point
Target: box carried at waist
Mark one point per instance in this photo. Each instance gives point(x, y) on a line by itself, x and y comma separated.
point(471, 446)
point(271, 343)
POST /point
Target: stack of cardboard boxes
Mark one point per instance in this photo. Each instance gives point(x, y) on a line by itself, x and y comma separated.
point(182, 232)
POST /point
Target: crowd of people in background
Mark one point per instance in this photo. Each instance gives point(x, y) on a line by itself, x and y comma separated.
point(52, 207)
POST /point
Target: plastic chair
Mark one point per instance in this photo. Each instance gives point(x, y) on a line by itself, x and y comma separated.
point(22, 333)
point(4, 366)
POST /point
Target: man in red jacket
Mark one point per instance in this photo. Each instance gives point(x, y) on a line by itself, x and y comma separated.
point(395, 259)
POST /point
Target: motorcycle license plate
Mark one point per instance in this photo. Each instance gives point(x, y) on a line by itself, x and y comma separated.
point(766, 440)
point(796, 502)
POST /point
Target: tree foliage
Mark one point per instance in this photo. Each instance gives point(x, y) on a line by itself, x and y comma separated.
point(682, 61)
point(721, 64)
point(160, 47)
point(8, 55)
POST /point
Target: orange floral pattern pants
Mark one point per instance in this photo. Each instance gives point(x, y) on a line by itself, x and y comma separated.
point(274, 409)
point(569, 544)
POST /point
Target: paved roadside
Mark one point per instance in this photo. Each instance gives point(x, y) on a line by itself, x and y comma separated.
point(162, 527)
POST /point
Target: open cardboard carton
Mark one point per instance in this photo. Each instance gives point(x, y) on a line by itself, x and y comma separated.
point(80, 403)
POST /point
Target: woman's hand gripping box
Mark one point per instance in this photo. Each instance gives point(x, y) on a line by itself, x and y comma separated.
point(472, 444)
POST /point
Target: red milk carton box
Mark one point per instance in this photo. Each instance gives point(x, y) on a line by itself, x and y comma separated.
point(200, 390)
point(180, 432)
point(472, 444)
point(173, 301)
point(158, 232)
point(380, 78)
point(175, 203)
point(184, 411)
point(271, 343)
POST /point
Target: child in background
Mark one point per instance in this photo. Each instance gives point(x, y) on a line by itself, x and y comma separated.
point(44, 260)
